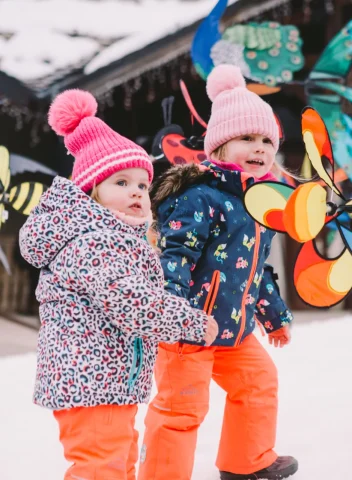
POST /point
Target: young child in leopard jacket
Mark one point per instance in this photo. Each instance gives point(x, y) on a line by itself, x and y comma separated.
point(103, 308)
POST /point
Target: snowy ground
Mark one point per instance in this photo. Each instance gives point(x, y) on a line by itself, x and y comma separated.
point(315, 422)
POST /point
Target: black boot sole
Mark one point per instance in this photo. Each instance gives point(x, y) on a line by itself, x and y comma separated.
point(291, 470)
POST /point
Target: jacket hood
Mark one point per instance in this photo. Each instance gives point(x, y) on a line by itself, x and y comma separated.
point(64, 213)
point(179, 178)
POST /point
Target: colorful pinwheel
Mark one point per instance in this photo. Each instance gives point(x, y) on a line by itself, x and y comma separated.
point(302, 213)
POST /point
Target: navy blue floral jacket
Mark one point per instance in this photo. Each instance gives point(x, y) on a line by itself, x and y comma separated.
point(214, 253)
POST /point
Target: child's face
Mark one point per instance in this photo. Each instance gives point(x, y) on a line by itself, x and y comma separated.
point(126, 191)
point(254, 153)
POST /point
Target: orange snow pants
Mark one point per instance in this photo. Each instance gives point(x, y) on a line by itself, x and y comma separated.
point(101, 442)
point(183, 374)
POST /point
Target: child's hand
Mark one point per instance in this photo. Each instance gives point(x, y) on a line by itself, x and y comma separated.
point(280, 337)
point(211, 332)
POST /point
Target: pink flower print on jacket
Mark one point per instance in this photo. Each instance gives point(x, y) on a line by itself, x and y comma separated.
point(268, 325)
point(249, 299)
point(261, 304)
point(227, 334)
point(248, 243)
point(241, 263)
point(211, 212)
point(175, 225)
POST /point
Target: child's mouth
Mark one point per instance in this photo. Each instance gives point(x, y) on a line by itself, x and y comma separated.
point(256, 162)
point(137, 207)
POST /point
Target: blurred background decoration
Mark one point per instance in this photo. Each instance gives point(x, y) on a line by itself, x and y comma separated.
point(131, 55)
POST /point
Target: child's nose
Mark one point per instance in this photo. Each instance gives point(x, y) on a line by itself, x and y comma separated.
point(136, 192)
point(259, 147)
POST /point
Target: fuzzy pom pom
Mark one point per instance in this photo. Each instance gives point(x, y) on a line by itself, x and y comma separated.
point(69, 108)
point(222, 78)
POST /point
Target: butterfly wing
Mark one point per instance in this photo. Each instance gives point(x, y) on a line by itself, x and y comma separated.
point(322, 282)
point(335, 61)
point(265, 202)
point(318, 145)
point(4, 181)
point(339, 127)
point(205, 37)
point(25, 196)
point(276, 55)
point(178, 150)
point(4, 171)
point(20, 164)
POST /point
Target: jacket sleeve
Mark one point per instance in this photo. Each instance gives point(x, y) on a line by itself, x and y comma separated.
point(271, 310)
point(115, 284)
point(184, 230)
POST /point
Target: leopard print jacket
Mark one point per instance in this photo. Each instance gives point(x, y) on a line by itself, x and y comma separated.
point(103, 308)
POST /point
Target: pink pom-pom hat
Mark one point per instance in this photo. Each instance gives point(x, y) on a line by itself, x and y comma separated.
point(99, 151)
point(236, 111)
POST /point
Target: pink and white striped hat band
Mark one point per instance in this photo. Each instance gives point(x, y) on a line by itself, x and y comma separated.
point(99, 151)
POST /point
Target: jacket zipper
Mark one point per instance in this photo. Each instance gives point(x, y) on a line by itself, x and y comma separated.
point(209, 302)
point(213, 292)
point(137, 359)
point(249, 283)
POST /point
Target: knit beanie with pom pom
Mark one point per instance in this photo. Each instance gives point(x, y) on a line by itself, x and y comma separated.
point(99, 151)
point(236, 111)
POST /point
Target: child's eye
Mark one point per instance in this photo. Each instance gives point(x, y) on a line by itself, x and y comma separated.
point(267, 140)
point(247, 138)
point(121, 183)
point(143, 186)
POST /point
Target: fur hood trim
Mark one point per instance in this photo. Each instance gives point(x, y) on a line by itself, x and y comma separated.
point(174, 180)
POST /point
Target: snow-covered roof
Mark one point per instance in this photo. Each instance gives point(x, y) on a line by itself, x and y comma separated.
point(41, 40)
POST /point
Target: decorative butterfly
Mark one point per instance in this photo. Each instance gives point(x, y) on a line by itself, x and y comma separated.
point(267, 52)
point(170, 146)
point(22, 197)
point(302, 213)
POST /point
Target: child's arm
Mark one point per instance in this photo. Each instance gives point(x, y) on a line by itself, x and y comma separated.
point(112, 278)
point(183, 234)
point(271, 310)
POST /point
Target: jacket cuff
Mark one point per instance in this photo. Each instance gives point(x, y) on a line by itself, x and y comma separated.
point(283, 319)
point(195, 330)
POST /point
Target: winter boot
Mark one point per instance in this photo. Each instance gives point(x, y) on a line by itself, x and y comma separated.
point(284, 467)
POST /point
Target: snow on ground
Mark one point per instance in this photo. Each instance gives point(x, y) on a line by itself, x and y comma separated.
point(315, 420)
